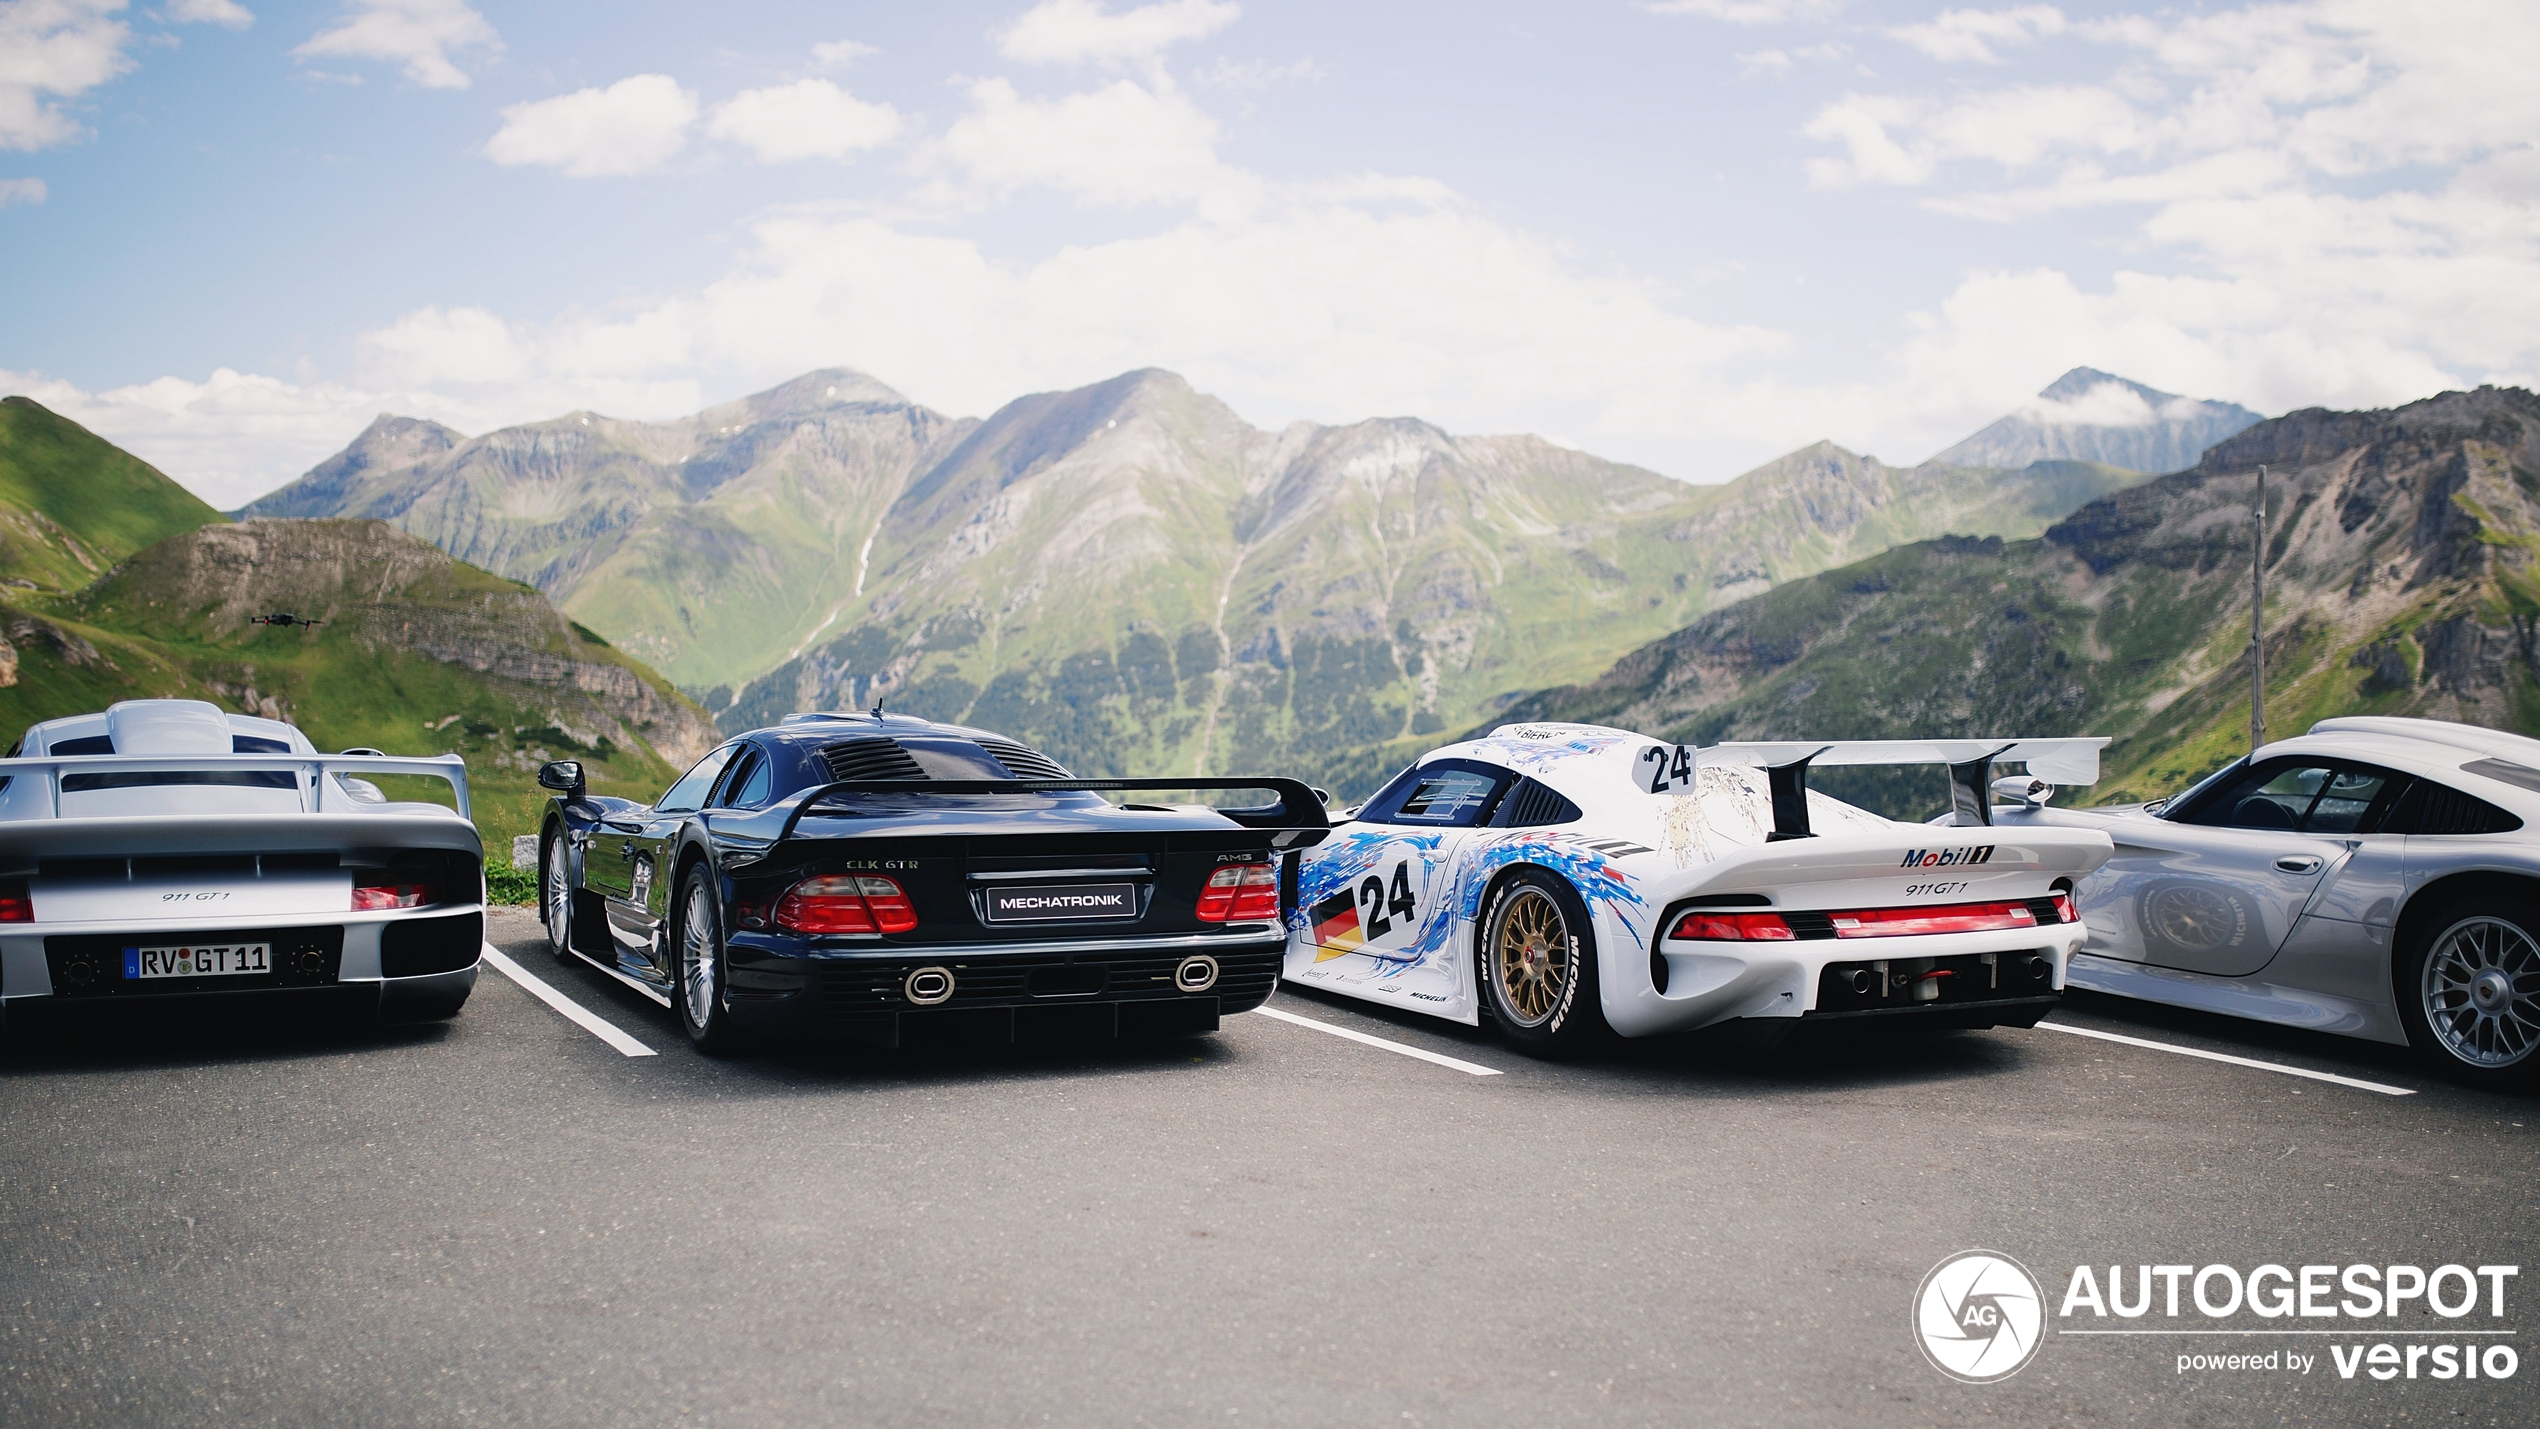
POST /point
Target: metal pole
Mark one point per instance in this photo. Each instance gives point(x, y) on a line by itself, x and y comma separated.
point(2258, 623)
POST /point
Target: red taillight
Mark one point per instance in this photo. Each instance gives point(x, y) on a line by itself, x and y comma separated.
point(1733, 927)
point(379, 897)
point(1241, 893)
point(846, 903)
point(15, 906)
point(2064, 909)
point(1950, 918)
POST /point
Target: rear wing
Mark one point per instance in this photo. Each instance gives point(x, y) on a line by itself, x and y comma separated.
point(313, 774)
point(1298, 814)
point(1786, 764)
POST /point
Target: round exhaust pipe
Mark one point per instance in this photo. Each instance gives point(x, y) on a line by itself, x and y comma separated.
point(1858, 980)
point(1197, 973)
point(929, 986)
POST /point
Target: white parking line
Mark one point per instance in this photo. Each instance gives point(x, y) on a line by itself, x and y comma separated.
point(1475, 1069)
point(2357, 1083)
point(590, 1021)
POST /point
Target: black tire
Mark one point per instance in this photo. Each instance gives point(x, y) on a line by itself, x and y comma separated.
point(2468, 984)
point(555, 893)
point(1535, 958)
point(700, 981)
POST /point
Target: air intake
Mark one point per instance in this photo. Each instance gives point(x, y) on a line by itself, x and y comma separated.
point(1532, 805)
point(2430, 808)
point(875, 758)
point(1021, 762)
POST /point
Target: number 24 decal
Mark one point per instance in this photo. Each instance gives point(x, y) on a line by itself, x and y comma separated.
point(1376, 902)
point(1668, 769)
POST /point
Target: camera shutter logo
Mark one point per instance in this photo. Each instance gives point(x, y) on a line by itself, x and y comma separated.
point(1979, 1316)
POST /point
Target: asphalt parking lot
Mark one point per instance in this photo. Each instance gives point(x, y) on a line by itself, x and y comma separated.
point(506, 1220)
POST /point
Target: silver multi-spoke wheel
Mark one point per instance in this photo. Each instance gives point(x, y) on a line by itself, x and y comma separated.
point(556, 897)
point(699, 967)
point(2481, 992)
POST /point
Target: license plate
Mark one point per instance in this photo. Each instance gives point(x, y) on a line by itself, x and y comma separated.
point(1063, 903)
point(198, 960)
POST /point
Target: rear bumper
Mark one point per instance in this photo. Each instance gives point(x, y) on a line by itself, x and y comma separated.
point(1699, 984)
point(395, 965)
point(1123, 989)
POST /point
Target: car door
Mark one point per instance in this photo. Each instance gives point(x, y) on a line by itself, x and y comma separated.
point(2218, 886)
point(1395, 908)
point(638, 898)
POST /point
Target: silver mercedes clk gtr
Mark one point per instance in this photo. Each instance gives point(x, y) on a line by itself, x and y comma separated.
point(169, 852)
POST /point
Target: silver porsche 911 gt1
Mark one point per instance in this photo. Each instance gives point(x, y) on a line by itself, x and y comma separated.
point(2378, 878)
point(166, 850)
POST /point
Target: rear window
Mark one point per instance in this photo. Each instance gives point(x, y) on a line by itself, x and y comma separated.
point(1446, 795)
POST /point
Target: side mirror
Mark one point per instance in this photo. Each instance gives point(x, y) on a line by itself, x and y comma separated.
point(2026, 790)
point(564, 776)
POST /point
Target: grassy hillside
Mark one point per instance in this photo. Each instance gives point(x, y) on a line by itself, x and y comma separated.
point(73, 504)
point(2403, 571)
point(417, 653)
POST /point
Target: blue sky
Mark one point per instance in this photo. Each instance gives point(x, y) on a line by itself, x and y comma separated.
point(1692, 235)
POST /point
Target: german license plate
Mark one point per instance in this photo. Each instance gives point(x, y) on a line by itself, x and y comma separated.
point(1063, 903)
point(198, 960)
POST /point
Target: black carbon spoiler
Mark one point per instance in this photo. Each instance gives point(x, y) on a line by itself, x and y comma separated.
point(1297, 814)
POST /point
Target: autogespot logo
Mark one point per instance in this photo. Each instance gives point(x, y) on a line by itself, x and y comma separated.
point(1979, 1316)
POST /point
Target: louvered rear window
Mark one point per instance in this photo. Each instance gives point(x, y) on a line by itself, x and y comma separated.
point(1531, 805)
point(1025, 763)
point(2430, 808)
point(871, 758)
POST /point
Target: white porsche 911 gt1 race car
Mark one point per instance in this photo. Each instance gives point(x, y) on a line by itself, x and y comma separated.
point(1569, 881)
point(2377, 878)
point(168, 850)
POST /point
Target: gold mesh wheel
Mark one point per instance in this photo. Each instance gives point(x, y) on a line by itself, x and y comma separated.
point(1530, 955)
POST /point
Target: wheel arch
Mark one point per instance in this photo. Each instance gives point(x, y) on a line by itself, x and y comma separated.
point(2426, 906)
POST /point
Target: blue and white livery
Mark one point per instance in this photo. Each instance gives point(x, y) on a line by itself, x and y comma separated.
point(1571, 881)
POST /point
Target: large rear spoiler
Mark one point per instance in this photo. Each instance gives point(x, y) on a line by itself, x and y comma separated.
point(1298, 813)
point(1786, 764)
point(315, 767)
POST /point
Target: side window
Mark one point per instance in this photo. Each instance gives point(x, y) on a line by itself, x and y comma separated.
point(2298, 797)
point(1439, 796)
point(746, 788)
point(691, 789)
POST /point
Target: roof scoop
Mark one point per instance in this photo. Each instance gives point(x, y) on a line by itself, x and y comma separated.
point(168, 727)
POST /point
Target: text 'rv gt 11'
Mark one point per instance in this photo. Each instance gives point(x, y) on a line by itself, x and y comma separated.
point(867, 876)
point(1569, 880)
point(166, 850)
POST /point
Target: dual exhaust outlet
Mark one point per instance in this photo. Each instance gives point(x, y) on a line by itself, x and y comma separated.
point(933, 985)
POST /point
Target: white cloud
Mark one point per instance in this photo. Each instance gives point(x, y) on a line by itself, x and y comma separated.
point(420, 34)
point(225, 439)
point(21, 191)
point(635, 125)
point(226, 13)
point(838, 54)
point(1747, 12)
point(2106, 404)
point(1125, 143)
point(1256, 74)
point(1081, 31)
point(51, 50)
point(808, 119)
point(1972, 35)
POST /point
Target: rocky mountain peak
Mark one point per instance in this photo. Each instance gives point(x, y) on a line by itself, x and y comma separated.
point(2090, 415)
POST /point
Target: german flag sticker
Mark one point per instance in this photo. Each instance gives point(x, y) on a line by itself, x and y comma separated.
point(1336, 926)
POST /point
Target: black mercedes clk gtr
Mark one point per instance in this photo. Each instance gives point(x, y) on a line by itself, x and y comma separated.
point(873, 876)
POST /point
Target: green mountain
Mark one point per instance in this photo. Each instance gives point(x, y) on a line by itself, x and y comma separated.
point(1129, 573)
point(72, 504)
point(2403, 577)
point(416, 653)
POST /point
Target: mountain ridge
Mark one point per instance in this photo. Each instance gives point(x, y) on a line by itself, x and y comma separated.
point(2403, 575)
